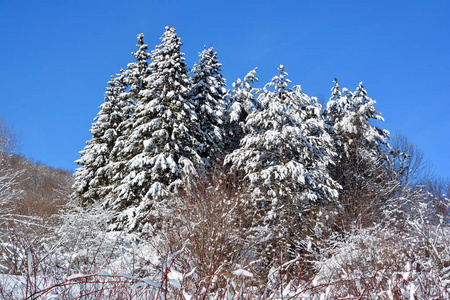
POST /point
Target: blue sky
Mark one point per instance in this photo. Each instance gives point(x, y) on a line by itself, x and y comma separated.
point(56, 58)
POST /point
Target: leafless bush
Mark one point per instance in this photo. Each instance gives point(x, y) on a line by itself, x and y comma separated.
point(211, 214)
point(367, 265)
point(44, 189)
point(8, 141)
point(410, 165)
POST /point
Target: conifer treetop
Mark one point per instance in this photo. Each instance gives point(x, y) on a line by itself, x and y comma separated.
point(161, 143)
point(91, 182)
point(207, 96)
point(286, 150)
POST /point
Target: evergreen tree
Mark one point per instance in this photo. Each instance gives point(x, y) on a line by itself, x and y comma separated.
point(285, 155)
point(207, 96)
point(92, 181)
point(336, 106)
point(373, 137)
point(350, 116)
point(240, 102)
point(136, 72)
point(287, 150)
point(159, 146)
point(361, 166)
point(101, 165)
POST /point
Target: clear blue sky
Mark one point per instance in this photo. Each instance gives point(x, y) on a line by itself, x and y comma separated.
point(56, 58)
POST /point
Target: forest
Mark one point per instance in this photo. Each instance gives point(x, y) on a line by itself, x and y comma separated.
point(192, 188)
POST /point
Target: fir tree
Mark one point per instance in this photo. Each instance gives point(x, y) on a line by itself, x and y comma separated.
point(136, 72)
point(102, 167)
point(240, 102)
point(285, 155)
point(159, 146)
point(207, 96)
point(350, 118)
point(361, 166)
point(287, 150)
point(92, 180)
point(373, 136)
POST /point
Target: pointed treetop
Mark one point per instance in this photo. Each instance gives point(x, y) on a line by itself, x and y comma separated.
point(251, 76)
point(241, 99)
point(170, 33)
point(140, 54)
point(139, 67)
point(140, 38)
point(207, 69)
point(279, 82)
point(335, 90)
point(360, 91)
point(171, 45)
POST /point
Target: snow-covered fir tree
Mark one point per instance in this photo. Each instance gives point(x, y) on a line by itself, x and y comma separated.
point(287, 150)
point(207, 96)
point(361, 166)
point(161, 143)
point(136, 72)
point(350, 118)
point(285, 156)
point(373, 136)
point(92, 180)
point(101, 164)
point(240, 101)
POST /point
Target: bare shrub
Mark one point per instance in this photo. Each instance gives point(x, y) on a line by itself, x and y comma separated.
point(45, 189)
point(386, 261)
point(412, 168)
point(211, 216)
point(8, 141)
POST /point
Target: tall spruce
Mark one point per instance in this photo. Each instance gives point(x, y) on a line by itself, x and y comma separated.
point(136, 72)
point(284, 155)
point(207, 96)
point(159, 146)
point(240, 101)
point(350, 117)
point(287, 150)
point(92, 179)
point(361, 166)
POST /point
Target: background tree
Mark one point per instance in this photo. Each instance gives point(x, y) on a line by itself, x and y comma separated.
point(240, 101)
point(410, 163)
point(31, 196)
point(285, 156)
point(135, 74)
point(93, 180)
point(362, 165)
point(207, 95)
point(160, 145)
point(8, 141)
point(9, 176)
